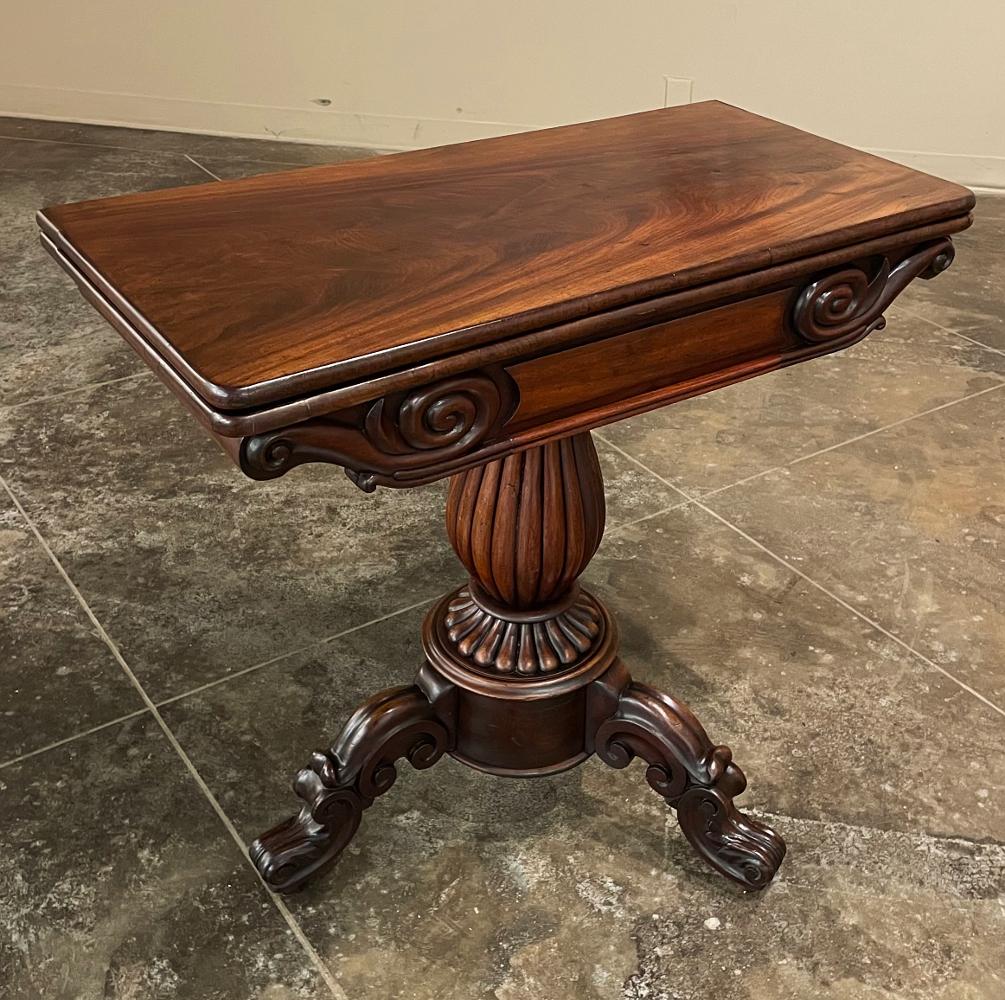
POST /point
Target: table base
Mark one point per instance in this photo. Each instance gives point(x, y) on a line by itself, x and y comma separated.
point(522, 679)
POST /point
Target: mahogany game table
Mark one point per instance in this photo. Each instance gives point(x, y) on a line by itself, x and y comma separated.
point(472, 311)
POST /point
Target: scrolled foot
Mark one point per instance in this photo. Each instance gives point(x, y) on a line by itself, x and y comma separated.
point(739, 847)
point(696, 778)
point(338, 785)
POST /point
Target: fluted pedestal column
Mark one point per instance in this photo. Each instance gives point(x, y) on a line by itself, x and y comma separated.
point(521, 641)
point(522, 678)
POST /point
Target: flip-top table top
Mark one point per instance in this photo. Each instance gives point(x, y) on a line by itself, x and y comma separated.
point(272, 289)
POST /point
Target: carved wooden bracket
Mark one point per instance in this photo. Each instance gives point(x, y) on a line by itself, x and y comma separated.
point(410, 437)
point(848, 304)
point(402, 439)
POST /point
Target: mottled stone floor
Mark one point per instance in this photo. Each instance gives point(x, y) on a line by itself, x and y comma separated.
point(814, 560)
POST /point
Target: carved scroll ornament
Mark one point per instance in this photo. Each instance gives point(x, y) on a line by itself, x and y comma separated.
point(696, 778)
point(339, 784)
point(402, 439)
point(849, 304)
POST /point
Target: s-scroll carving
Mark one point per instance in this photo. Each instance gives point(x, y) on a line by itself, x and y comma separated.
point(695, 777)
point(402, 439)
point(848, 304)
point(339, 784)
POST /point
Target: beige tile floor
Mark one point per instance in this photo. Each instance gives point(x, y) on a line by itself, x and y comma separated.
point(814, 560)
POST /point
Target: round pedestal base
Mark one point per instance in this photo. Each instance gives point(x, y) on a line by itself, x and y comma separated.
point(520, 725)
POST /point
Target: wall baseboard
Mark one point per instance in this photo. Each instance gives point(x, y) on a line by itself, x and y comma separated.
point(374, 131)
point(971, 170)
point(253, 121)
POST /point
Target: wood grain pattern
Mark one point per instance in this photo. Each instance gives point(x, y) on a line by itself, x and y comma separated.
point(592, 329)
point(525, 527)
point(261, 290)
point(641, 361)
point(455, 423)
point(471, 312)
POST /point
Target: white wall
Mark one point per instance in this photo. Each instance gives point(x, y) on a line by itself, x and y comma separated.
point(919, 80)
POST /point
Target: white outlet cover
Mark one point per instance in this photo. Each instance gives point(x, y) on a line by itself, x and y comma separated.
point(677, 90)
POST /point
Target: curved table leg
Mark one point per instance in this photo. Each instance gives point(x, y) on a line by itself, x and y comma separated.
point(339, 784)
point(522, 678)
point(696, 778)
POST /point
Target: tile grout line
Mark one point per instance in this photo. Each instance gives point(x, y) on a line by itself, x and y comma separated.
point(175, 152)
point(75, 389)
point(336, 990)
point(293, 652)
point(819, 586)
point(205, 170)
point(222, 680)
point(946, 329)
point(849, 607)
point(812, 454)
point(957, 839)
point(272, 661)
point(852, 440)
point(969, 340)
point(73, 738)
point(903, 420)
point(88, 145)
point(683, 502)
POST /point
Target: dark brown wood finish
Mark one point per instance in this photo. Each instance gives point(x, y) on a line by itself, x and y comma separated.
point(299, 281)
point(522, 679)
point(472, 312)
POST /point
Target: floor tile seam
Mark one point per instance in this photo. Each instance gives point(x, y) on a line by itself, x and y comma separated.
point(89, 145)
point(867, 619)
point(699, 502)
point(282, 657)
point(1000, 384)
point(209, 685)
point(87, 386)
point(176, 153)
point(191, 159)
point(57, 744)
point(988, 844)
point(292, 923)
point(911, 311)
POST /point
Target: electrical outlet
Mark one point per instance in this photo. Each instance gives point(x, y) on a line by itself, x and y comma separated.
point(676, 90)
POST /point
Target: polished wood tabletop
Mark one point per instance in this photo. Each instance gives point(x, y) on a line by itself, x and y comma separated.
point(275, 287)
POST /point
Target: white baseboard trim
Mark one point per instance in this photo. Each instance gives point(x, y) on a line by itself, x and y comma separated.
point(369, 131)
point(975, 171)
point(310, 125)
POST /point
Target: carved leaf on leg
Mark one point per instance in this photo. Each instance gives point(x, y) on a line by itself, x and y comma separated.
point(338, 785)
point(695, 777)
